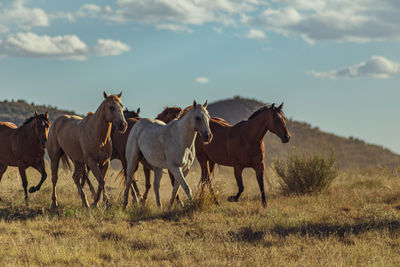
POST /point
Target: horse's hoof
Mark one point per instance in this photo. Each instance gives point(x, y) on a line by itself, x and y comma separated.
point(54, 206)
point(232, 199)
point(143, 201)
point(93, 205)
point(32, 189)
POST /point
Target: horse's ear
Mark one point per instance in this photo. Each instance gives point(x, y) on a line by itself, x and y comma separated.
point(205, 104)
point(273, 106)
point(138, 111)
point(280, 106)
point(126, 109)
point(105, 95)
point(119, 95)
point(194, 104)
point(46, 114)
point(36, 113)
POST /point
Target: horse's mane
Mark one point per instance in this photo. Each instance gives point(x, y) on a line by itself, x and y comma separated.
point(28, 120)
point(260, 110)
point(167, 108)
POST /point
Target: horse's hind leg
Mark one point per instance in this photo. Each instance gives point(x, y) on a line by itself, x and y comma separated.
point(40, 168)
point(157, 179)
point(54, 177)
point(79, 168)
point(3, 169)
point(24, 182)
point(239, 181)
point(132, 159)
point(148, 183)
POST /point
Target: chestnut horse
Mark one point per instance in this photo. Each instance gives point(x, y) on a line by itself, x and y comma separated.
point(119, 147)
point(241, 146)
point(24, 146)
point(86, 141)
point(85, 177)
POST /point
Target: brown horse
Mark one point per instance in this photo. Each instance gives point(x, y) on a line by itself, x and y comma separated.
point(85, 176)
point(24, 146)
point(119, 147)
point(241, 146)
point(86, 141)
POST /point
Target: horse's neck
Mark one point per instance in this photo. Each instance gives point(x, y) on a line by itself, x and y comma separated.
point(27, 134)
point(257, 127)
point(185, 131)
point(102, 128)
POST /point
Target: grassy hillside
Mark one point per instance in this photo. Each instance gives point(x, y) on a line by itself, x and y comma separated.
point(350, 152)
point(18, 111)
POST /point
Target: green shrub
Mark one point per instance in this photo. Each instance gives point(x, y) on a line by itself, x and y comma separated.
point(305, 174)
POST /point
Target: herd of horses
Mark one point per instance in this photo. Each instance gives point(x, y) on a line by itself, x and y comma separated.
point(170, 141)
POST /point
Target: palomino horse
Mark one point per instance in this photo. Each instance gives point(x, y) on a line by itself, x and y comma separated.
point(24, 146)
point(167, 146)
point(85, 141)
point(119, 141)
point(241, 146)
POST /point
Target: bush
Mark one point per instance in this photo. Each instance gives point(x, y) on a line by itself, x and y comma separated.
point(305, 174)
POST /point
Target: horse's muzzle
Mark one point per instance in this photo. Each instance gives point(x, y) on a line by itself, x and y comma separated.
point(206, 137)
point(285, 139)
point(122, 125)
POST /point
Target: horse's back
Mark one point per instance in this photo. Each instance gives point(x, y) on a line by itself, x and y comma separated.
point(64, 133)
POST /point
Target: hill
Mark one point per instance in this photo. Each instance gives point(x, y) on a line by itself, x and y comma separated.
point(18, 111)
point(350, 152)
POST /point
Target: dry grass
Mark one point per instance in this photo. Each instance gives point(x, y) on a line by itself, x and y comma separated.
point(356, 222)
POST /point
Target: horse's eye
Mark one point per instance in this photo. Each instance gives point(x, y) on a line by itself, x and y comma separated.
point(112, 108)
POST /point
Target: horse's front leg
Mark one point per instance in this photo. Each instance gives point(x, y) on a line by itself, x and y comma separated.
point(179, 180)
point(157, 179)
point(40, 168)
point(99, 174)
point(24, 182)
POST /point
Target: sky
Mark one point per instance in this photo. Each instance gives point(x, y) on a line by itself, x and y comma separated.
point(334, 63)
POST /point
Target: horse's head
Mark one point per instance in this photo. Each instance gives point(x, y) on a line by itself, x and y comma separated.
point(277, 123)
point(169, 114)
point(113, 113)
point(131, 114)
point(42, 125)
point(201, 122)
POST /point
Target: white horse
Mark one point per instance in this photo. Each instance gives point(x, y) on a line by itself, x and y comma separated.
point(168, 146)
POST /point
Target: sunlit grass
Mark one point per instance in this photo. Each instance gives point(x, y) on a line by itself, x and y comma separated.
point(355, 222)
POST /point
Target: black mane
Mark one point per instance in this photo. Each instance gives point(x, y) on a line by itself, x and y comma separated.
point(41, 116)
point(260, 110)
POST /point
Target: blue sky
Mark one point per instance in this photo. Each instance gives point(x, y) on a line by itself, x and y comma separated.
point(335, 64)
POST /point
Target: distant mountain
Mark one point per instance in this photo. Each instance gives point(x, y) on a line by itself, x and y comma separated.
point(18, 111)
point(350, 152)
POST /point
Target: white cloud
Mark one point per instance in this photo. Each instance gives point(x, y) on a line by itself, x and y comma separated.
point(174, 28)
point(66, 47)
point(202, 80)
point(376, 67)
point(23, 17)
point(256, 34)
point(110, 48)
point(171, 12)
point(344, 20)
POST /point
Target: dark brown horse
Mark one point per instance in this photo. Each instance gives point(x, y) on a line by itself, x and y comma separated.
point(119, 147)
point(241, 146)
point(24, 146)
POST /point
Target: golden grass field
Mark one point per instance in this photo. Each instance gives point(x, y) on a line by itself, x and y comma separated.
point(356, 222)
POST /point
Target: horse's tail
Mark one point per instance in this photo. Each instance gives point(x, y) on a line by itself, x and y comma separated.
point(121, 176)
point(65, 162)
